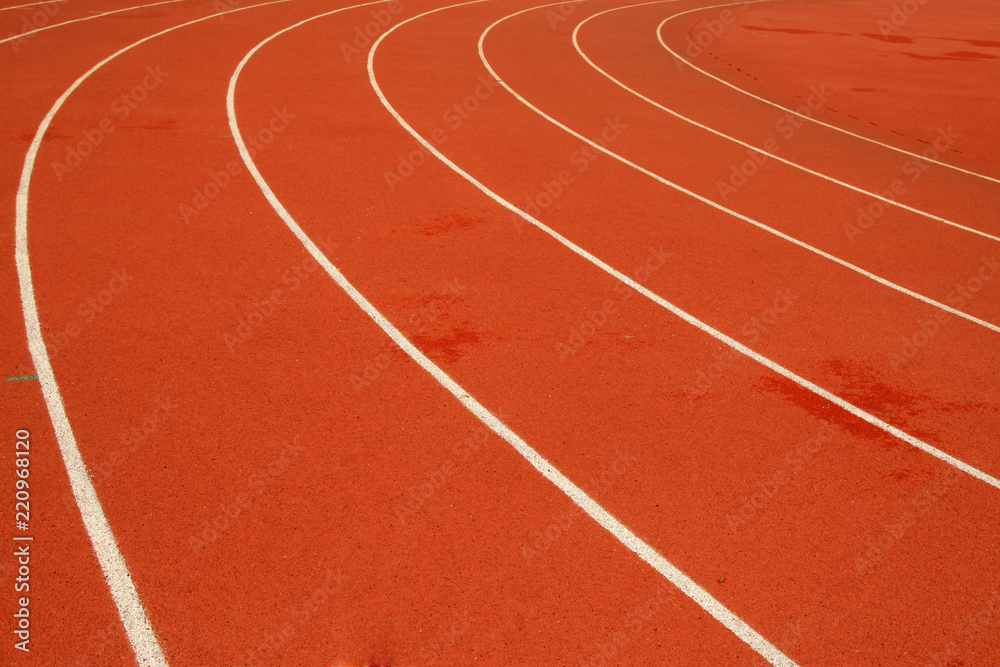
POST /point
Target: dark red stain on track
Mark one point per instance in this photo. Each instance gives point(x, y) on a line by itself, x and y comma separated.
point(793, 31)
point(895, 39)
point(954, 55)
point(446, 348)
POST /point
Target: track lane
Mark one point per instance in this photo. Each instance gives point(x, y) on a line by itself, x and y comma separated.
point(394, 233)
point(145, 644)
point(949, 194)
point(809, 118)
point(581, 498)
point(254, 625)
point(175, 580)
point(927, 264)
point(758, 154)
point(32, 4)
point(26, 34)
point(832, 372)
point(64, 567)
point(921, 80)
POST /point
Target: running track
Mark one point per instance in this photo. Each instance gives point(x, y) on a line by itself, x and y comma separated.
point(618, 361)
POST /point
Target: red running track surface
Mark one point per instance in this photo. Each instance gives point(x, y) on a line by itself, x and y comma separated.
point(288, 487)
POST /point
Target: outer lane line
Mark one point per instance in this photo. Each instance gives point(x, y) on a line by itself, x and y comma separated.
point(659, 37)
point(85, 18)
point(35, 4)
point(886, 200)
point(705, 200)
point(647, 553)
point(690, 319)
point(130, 609)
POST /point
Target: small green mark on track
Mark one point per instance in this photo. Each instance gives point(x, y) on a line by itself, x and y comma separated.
point(20, 379)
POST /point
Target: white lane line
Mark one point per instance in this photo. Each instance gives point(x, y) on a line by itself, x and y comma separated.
point(659, 37)
point(690, 319)
point(137, 626)
point(687, 585)
point(887, 200)
point(705, 200)
point(35, 4)
point(85, 18)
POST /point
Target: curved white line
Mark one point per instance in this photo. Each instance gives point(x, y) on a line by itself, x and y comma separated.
point(691, 319)
point(35, 4)
point(85, 18)
point(705, 200)
point(137, 626)
point(887, 200)
point(687, 585)
point(659, 37)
